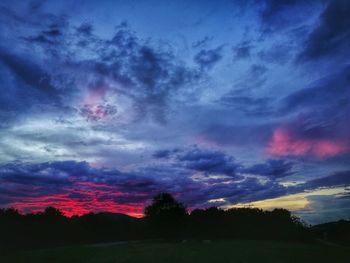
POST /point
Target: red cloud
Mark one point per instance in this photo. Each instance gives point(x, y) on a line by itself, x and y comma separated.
point(86, 197)
point(283, 143)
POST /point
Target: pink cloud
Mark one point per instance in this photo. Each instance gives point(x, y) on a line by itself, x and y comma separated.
point(283, 143)
point(94, 107)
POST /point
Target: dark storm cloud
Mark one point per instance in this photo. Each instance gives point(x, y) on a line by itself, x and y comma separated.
point(209, 161)
point(85, 29)
point(337, 179)
point(207, 58)
point(49, 173)
point(274, 7)
point(279, 14)
point(32, 173)
point(165, 153)
point(28, 72)
point(272, 168)
point(51, 35)
point(49, 31)
point(332, 36)
point(326, 101)
point(162, 154)
point(247, 190)
point(218, 162)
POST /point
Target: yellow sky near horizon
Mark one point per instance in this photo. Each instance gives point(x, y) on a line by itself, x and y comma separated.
point(293, 202)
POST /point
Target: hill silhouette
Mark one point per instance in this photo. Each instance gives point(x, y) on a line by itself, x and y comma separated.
point(116, 216)
point(337, 232)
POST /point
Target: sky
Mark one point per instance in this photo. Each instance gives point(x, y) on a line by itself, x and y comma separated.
point(104, 104)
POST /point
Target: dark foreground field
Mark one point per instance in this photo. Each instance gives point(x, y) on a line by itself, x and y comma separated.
point(192, 251)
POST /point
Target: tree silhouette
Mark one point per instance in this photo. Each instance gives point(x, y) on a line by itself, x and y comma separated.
point(166, 216)
point(164, 206)
point(52, 213)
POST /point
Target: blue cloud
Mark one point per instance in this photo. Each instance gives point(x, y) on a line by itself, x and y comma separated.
point(272, 168)
point(207, 58)
point(209, 161)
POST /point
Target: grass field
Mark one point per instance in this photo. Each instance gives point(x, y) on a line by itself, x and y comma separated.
point(193, 251)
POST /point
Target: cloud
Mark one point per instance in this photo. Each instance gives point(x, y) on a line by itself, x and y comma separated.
point(160, 154)
point(278, 53)
point(254, 78)
point(236, 135)
point(209, 162)
point(28, 72)
point(284, 144)
point(258, 70)
point(207, 58)
point(85, 29)
point(217, 162)
point(327, 91)
point(144, 73)
point(200, 43)
point(274, 168)
point(74, 187)
point(34, 186)
point(336, 179)
point(77, 187)
point(243, 50)
point(320, 126)
point(281, 14)
point(50, 36)
point(256, 190)
point(332, 36)
point(246, 104)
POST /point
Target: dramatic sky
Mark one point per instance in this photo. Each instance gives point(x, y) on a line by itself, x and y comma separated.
point(222, 103)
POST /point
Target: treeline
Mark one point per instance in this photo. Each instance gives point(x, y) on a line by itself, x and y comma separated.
point(165, 218)
point(51, 228)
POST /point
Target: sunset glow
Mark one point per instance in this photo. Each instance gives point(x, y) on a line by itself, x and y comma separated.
point(105, 104)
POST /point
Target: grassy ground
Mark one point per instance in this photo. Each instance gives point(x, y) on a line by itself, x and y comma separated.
point(192, 251)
